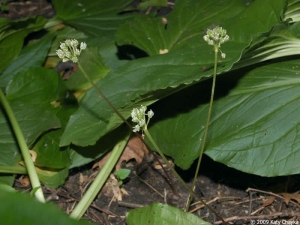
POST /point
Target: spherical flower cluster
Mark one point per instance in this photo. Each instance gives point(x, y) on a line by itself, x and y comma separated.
point(138, 116)
point(69, 50)
point(216, 37)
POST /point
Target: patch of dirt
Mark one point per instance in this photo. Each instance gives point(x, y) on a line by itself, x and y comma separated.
point(222, 188)
point(19, 9)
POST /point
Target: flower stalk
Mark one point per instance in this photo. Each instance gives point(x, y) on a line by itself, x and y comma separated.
point(215, 37)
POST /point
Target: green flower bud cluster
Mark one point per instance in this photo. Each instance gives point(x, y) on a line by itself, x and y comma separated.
point(138, 116)
point(69, 50)
point(216, 37)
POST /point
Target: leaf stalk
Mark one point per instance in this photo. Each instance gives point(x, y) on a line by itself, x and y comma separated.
point(24, 149)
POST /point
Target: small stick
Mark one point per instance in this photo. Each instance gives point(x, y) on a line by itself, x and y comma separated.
point(211, 201)
point(270, 193)
point(258, 210)
point(151, 187)
point(97, 218)
point(105, 218)
point(92, 205)
point(130, 205)
point(250, 203)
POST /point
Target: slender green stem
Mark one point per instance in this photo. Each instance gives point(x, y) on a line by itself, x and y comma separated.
point(206, 129)
point(177, 175)
point(24, 149)
point(99, 181)
point(103, 96)
point(13, 169)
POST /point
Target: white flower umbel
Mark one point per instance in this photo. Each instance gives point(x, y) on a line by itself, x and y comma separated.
point(216, 37)
point(139, 117)
point(69, 50)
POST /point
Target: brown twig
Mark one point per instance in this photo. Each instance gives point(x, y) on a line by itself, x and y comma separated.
point(105, 218)
point(211, 201)
point(270, 193)
point(151, 187)
point(97, 218)
point(92, 205)
point(130, 205)
point(250, 203)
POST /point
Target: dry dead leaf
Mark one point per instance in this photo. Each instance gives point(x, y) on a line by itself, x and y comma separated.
point(158, 166)
point(112, 189)
point(24, 181)
point(269, 201)
point(82, 178)
point(135, 149)
point(33, 155)
point(288, 197)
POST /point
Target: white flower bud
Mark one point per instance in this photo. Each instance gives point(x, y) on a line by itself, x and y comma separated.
point(136, 128)
point(150, 113)
point(82, 45)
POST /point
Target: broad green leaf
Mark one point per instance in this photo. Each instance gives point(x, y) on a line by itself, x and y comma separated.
point(261, 116)
point(96, 18)
point(254, 121)
point(8, 148)
point(189, 61)
point(49, 154)
point(17, 208)
point(83, 155)
point(162, 214)
point(282, 40)
point(190, 19)
point(53, 178)
point(292, 10)
point(7, 188)
point(113, 55)
point(34, 120)
point(31, 56)
point(36, 86)
point(43, 87)
point(186, 24)
point(47, 147)
point(13, 34)
point(38, 98)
